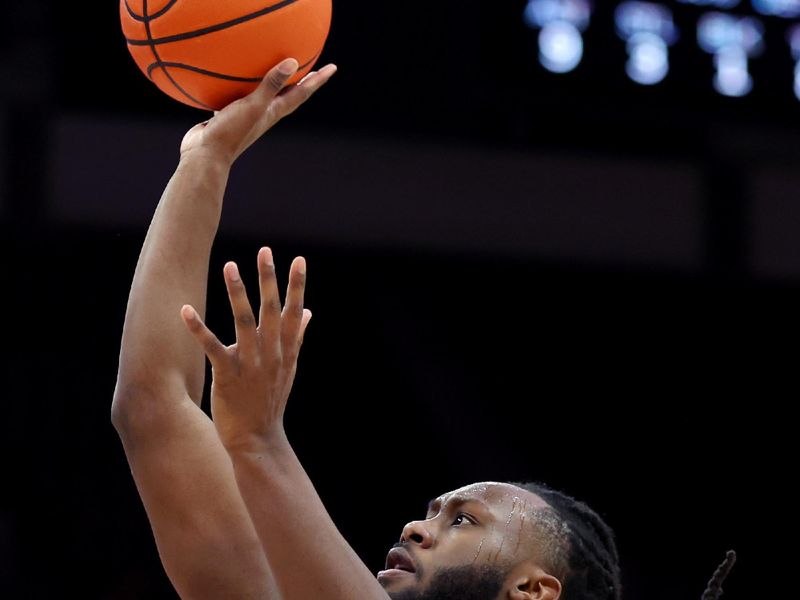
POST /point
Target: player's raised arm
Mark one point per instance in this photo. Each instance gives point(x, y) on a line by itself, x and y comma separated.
point(252, 380)
point(205, 537)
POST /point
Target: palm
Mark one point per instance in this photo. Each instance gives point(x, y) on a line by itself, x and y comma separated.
point(194, 137)
point(233, 129)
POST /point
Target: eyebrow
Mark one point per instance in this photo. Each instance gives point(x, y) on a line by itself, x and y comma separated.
point(457, 501)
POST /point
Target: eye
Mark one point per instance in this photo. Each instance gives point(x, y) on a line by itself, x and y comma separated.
point(462, 518)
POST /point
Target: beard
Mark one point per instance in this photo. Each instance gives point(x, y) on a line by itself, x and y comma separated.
point(458, 583)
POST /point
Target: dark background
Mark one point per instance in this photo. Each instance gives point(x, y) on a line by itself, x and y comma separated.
point(514, 275)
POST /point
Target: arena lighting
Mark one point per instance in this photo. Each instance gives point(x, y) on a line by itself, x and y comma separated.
point(732, 41)
point(648, 30)
point(721, 4)
point(788, 9)
point(732, 32)
point(561, 24)
point(793, 37)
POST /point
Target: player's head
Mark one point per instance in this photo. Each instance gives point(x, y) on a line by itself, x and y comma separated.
point(501, 541)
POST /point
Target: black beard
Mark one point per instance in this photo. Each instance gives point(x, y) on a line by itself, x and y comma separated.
point(458, 583)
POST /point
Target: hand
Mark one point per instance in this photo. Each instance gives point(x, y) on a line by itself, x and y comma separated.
point(253, 377)
point(234, 129)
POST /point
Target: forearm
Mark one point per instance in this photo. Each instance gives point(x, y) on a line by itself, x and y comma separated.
point(295, 529)
point(172, 271)
point(205, 539)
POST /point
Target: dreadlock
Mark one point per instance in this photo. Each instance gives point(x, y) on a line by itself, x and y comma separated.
point(587, 550)
point(714, 589)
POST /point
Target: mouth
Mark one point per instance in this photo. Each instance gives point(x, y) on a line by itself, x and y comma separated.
point(398, 564)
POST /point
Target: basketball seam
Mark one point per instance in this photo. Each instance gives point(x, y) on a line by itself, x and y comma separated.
point(152, 17)
point(158, 59)
point(176, 65)
point(152, 42)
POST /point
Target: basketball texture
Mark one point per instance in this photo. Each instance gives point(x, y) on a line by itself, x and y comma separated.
point(208, 53)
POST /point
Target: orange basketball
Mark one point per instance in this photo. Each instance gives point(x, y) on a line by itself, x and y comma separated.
point(208, 53)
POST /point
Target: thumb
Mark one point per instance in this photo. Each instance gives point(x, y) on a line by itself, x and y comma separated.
point(277, 77)
point(303, 324)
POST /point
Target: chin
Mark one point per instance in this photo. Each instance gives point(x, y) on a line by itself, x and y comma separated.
point(397, 583)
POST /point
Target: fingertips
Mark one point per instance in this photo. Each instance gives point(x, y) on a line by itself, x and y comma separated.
point(280, 74)
point(190, 316)
point(299, 266)
point(315, 80)
point(297, 281)
point(265, 257)
point(288, 67)
point(231, 271)
point(266, 265)
point(306, 320)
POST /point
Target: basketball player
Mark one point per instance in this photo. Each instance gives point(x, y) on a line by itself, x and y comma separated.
point(233, 513)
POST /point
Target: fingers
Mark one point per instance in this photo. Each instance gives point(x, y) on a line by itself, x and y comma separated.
point(269, 319)
point(293, 313)
point(244, 320)
point(276, 79)
point(306, 319)
point(238, 118)
point(214, 349)
point(292, 98)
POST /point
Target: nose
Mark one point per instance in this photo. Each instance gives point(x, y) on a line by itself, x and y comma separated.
point(416, 533)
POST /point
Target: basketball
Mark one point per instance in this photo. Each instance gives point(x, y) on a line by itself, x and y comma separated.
point(208, 53)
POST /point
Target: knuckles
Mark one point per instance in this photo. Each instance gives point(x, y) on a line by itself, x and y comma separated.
point(245, 320)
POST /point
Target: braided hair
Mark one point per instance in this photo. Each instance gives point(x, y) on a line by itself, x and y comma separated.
point(714, 589)
point(587, 552)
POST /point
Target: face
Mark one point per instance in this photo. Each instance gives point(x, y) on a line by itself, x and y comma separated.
point(466, 547)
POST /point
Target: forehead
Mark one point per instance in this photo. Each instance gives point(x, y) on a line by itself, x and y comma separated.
point(494, 495)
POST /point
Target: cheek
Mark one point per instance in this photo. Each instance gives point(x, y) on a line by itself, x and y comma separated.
point(496, 548)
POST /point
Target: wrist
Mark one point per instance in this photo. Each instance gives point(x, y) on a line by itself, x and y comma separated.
point(206, 162)
point(259, 446)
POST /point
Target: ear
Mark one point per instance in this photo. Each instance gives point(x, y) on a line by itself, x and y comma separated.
point(537, 586)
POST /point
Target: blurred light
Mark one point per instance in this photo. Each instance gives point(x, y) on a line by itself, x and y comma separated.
point(562, 23)
point(732, 77)
point(648, 61)
point(716, 31)
point(732, 40)
point(539, 13)
point(778, 8)
point(797, 80)
point(560, 47)
point(793, 37)
point(712, 3)
point(648, 30)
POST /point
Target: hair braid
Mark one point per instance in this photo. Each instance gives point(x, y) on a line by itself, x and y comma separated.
point(592, 560)
point(714, 589)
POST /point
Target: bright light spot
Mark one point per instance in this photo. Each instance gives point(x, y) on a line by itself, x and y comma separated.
point(561, 23)
point(539, 13)
point(778, 8)
point(712, 3)
point(632, 18)
point(560, 47)
point(648, 61)
point(732, 78)
point(732, 41)
point(797, 80)
point(648, 30)
point(716, 31)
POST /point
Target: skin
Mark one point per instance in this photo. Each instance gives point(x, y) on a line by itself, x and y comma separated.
point(483, 525)
point(205, 536)
point(230, 505)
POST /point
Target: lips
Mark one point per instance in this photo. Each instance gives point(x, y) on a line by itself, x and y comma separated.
point(400, 559)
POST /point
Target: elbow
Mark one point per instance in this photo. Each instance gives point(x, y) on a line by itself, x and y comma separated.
point(134, 408)
point(118, 407)
point(126, 399)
